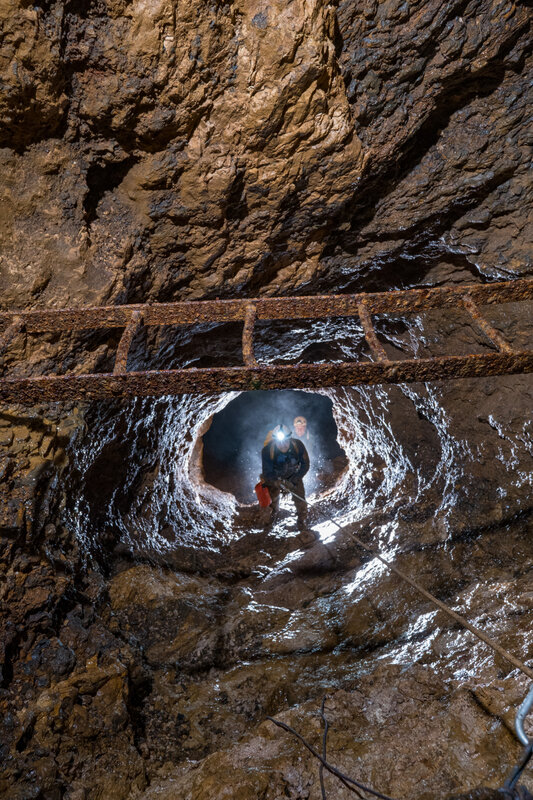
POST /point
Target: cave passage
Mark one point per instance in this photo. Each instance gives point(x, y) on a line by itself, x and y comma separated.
point(231, 458)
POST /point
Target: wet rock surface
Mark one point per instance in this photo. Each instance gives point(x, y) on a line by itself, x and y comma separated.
point(151, 672)
point(149, 623)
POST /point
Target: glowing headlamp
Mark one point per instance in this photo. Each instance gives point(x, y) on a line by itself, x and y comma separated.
point(280, 436)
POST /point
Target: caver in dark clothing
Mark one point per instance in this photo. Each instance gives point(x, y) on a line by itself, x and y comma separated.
point(286, 468)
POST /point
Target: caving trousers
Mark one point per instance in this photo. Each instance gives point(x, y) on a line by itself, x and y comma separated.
point(298, 486)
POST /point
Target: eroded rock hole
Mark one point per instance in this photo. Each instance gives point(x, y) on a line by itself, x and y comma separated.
point(231, 458)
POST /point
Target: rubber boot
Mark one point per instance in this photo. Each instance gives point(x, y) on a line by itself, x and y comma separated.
point(272, 512)
point(301, 523)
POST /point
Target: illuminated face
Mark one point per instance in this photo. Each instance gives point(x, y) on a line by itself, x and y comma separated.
point(283, 444)
point(300, 426)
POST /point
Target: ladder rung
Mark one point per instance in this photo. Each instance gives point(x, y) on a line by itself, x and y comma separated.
point(376, 348)
point(484, 325)
point(124, 345)
point(248, 336)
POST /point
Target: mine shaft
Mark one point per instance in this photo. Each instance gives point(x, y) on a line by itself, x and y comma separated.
point(266, 392)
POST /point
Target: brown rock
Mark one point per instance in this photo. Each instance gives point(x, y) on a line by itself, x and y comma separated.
point(146, 586)
point(158, 151)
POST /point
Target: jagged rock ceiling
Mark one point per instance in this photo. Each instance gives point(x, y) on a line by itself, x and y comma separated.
point(161, 150)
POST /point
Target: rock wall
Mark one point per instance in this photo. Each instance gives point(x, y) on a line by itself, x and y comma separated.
point(162, 150)
point(159, 150)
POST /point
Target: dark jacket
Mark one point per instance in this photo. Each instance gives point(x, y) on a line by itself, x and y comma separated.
point(288, 466)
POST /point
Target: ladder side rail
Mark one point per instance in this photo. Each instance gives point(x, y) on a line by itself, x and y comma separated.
point(199, 311)
point(279, 376)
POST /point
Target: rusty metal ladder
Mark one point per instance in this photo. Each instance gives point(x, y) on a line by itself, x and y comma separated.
point(253, 375)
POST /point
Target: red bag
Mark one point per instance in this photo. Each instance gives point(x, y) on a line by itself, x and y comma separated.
point(263, 495)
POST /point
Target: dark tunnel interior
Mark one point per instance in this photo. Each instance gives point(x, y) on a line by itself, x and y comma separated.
point(232, 444)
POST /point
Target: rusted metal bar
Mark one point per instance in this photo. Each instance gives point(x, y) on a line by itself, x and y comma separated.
point(248, 336)
point(485, 326)
point(279, 376)
point(9, 334)
point(376, 348)
point(124, 345)
point(187, 313)
point(252, 375)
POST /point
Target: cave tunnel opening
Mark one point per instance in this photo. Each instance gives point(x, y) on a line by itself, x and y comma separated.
point(231, 456)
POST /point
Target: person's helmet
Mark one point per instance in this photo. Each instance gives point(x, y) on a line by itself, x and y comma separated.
point(299, 421)
point(281, 433)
